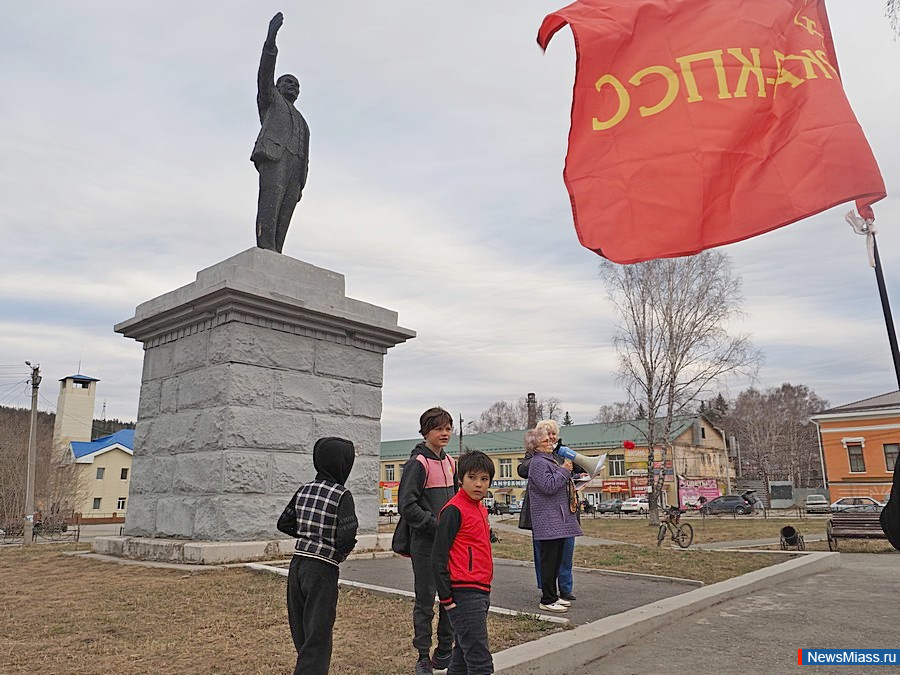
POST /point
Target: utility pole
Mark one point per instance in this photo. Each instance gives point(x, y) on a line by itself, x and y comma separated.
point(460, 433)
point(32, 437)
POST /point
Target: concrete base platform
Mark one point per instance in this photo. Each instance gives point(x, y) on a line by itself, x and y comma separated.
point(185, 551)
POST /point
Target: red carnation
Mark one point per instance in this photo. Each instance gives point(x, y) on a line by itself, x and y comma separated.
point(628, 445)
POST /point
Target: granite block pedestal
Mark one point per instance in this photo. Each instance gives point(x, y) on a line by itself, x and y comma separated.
point(243, 370)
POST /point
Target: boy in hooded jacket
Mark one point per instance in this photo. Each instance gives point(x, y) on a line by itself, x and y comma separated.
point(428, 482)
point(326, 533)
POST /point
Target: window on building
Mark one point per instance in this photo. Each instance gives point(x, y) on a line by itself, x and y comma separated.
point(857, 462)
point(124, 474)
point(616, 465)
point(505, 468)
point(890, 455)
point(389, 472)
point(120, 505)
point(78, 384)
point(97, 501)
point(702, 432)
point(100, 472)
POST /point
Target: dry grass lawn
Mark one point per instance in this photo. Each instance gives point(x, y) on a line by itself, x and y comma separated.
point(637, 530)
point(67, 614)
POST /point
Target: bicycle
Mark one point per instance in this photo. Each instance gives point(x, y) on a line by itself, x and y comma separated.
point(670, 522)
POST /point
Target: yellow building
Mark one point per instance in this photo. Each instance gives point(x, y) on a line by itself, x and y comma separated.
point(698, 463)
point(104, 475)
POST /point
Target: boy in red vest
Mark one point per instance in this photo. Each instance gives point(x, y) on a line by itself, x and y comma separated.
point(464, 566)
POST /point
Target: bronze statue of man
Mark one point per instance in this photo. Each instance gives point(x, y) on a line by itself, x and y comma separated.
point(281, 153)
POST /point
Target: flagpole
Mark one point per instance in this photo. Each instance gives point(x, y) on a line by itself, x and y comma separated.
point(886, 308)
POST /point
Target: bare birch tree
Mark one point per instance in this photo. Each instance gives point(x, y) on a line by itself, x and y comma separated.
point(508, 415)
point(620, 411)
point(778, 440)
point(673, 341)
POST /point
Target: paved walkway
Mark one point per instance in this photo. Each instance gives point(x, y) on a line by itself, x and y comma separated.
point(599, 594)
point(500, 527)
point(855, 606)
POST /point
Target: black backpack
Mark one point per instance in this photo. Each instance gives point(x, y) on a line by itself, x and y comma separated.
point(890, 515)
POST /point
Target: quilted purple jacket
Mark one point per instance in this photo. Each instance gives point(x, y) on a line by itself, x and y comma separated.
point(548, 500)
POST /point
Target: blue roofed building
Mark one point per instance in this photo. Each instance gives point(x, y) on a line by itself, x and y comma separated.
point(104, 468)
point(102, 465)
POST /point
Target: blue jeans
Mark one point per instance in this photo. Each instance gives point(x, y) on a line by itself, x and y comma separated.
point(566, 580)
point(471, 654)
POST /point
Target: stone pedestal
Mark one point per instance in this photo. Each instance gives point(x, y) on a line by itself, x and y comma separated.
point(243, 370)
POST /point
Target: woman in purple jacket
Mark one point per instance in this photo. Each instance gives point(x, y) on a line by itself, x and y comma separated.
point(552, 518)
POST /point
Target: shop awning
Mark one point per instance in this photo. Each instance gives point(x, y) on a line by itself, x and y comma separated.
point(502, 491)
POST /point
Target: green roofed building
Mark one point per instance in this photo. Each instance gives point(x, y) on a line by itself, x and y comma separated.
point(700, 464)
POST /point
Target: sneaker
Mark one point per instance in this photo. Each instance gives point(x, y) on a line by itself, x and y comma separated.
point(440, 661)
point(555, 607)
point(564, 603)
point(423, 666)
point(567, 596)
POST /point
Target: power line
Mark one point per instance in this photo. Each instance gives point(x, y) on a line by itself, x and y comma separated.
point(11, 389)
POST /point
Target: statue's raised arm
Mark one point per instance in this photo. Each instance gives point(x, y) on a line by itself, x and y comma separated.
point(276, 23)
point(281, 153)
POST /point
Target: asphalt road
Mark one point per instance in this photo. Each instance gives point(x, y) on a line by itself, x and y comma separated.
point(599, 594)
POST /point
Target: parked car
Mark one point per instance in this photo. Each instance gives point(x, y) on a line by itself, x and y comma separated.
point(610, 506)
point(816, 504)
point(635, 505)
point(727, 504)
point(503, 507)
point(857, 504)
point(388, 509)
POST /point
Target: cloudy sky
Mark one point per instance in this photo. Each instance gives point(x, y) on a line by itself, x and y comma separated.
point(438, 140)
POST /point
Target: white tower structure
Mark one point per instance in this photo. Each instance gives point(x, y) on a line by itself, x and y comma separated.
point(74, 409)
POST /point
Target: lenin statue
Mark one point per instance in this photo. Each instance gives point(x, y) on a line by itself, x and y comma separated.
point(281, 153)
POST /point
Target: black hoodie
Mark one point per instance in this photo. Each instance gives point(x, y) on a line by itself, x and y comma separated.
point(326, 514)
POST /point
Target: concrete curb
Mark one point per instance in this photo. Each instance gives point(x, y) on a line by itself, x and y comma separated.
point(569, 651)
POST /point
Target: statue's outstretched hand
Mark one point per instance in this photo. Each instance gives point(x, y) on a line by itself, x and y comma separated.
point(274, 25)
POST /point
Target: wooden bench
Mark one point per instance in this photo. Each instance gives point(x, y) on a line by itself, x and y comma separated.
point(852, 524)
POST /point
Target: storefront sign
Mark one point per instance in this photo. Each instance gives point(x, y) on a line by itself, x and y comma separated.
point(636, 455)
point(639, 486)
point(505, 482)
point(389, 484)
point(691, 489)
point(615, 486)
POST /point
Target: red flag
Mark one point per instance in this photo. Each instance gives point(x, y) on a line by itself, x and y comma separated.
point(699, 123)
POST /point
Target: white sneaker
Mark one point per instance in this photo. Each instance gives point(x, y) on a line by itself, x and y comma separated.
point(564, 603)
point(557, 607)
